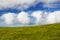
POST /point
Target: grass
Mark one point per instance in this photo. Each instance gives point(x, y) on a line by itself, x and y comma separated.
point(43, 32)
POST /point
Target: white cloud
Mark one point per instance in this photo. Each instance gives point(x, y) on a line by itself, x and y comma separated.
point(53, 17)
point(38, 16)
point(12, 18)
point(8, 18)
point(46, 17)
point(50, 3)
point(16, 3)
point(23, 18)
point(23, 4)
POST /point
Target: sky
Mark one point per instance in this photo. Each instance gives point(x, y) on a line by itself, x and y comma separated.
point(29, 12)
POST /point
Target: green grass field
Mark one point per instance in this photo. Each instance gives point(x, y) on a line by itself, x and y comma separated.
point(43, 32)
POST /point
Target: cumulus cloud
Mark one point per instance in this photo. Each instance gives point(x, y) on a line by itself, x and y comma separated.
point(12, 18)
point(41, 17)
point(38, 16)
point(8, 18)
point(23, 18)
point(53, 17)
point(23, 4)
point(46, 17)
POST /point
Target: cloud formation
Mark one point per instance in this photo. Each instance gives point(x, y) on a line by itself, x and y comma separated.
point(8, 18)
point(38, 16)
point(24, 18)
point(46, 17)
point(16, 3)
point(24, 4)
point(12, 18)
point(53, 17)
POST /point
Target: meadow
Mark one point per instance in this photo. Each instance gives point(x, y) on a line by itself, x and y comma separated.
point(41, 32)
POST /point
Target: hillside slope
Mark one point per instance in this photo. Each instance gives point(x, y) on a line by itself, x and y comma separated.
point(44, 32)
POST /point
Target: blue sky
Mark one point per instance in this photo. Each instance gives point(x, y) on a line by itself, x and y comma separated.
point(25, 12)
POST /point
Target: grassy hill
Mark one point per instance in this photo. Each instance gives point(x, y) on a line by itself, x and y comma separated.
point(43, 32)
